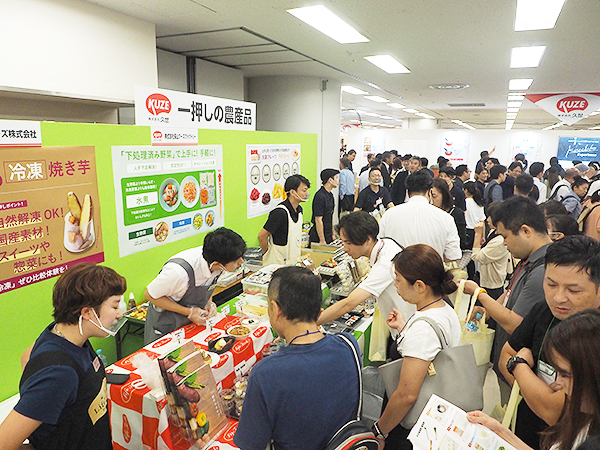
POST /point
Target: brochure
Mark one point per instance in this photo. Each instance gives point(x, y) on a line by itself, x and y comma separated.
point(444, 426)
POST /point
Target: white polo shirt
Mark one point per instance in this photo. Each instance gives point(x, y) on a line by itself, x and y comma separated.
point(380, 282)
point(173, 280)
point(418, 222)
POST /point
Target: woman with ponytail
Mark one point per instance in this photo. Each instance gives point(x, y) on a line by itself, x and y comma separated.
point(421, 280)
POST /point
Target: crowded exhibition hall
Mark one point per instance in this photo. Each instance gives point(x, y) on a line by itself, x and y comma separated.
point(299, 226)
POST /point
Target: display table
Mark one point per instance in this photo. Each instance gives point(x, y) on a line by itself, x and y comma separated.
point(138, 416)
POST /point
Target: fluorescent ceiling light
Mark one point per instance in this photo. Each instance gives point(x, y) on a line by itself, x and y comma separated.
point(353, 90)
point(376, 98)
point(372, 115)
point(595, 113)
point(512, 110)
point(517, 93)
point(387, 63)
point(551, 127)
point(398, 120)
point(396, 105)
point(355, 121)
point(462, 124)
point(526, 56)
point(513, 104)
point(519, 84)
point(367, 123)
point(387, 117)
point(511, 115)
point(515, 97)
point(424, 115)
point(537, 14)
point(509, 124)
point(410, 110)
point(328, 23)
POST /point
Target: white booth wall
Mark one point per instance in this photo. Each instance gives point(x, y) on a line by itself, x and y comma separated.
point(430, 143)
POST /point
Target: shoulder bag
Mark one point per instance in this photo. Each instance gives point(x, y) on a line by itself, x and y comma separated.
point(453, 375)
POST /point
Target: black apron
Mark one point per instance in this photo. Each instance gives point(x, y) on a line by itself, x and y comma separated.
point(87, 424)
point(161, 323)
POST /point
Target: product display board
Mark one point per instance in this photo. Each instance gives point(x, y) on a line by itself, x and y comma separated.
point(268, 166)
point(49, 213)
point(528, 144)
point(166, 194)
point(455, 147)
point(578, 148)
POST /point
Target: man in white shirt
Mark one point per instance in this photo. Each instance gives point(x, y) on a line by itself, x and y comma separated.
point(536, 170)
point(358, 232)
point(418, 222)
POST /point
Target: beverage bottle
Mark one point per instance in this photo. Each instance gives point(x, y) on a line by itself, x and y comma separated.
point(132, 303)
point(473, 325)
point(122, 304)
point(102, 357)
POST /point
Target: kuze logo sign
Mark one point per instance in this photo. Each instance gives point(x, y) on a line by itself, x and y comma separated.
point(158, 103)
point(569, 104)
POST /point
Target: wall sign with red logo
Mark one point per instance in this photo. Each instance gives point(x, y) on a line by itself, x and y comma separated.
point(173, 136)
point(569, 108)
point(167, 109)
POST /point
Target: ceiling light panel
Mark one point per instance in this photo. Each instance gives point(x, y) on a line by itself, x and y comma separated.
point(387, 63)
point(526, 56)
point(410, 110)
point(353, 90)
point(513, 104)
point(372, 114)
point(537, 14)
point(519, 84)
point(376, 98)
point(513, 97)
point(396, 105)
point(328, 23)
point(512, 110)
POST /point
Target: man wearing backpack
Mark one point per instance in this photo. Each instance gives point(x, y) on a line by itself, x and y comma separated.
point(302, 395)
point(493, 190)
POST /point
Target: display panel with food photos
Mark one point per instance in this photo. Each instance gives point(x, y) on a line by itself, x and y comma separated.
point(166, 194)
point(268, 166)
point(49, 213)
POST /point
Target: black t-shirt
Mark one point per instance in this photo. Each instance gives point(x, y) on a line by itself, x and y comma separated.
point(530, 334)
point(508, 187)
point(368, 200)
point(277, 223)
point(461, 226)
point(398, 193)
point(459, 197)
point(322, 206)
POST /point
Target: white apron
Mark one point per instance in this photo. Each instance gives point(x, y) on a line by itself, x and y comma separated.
point(286, 254)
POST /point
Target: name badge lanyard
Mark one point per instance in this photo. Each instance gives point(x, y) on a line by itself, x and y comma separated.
point(545, 371)
point(513, 281)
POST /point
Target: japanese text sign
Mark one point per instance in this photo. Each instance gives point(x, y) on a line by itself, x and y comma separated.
point(164, 108)
point(49, 213)
point(569, 108)
point(20, 133)
point(164, 194)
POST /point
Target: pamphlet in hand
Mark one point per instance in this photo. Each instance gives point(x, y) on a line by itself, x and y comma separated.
point(444, 426)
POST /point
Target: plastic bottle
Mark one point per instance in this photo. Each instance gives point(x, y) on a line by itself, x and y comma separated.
point(132, 303)
point(102, 357)
point(122, 304)
point(473, 325)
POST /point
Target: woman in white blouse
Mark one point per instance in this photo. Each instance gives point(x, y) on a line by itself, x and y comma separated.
point(421, 280)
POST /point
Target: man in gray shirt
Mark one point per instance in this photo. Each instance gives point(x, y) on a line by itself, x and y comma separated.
point(521, 223)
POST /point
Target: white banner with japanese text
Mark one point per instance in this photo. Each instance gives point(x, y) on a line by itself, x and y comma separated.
point(268, 166)
point(164, 108)
point(165, 194)
point(20, 133)
point(49, 213)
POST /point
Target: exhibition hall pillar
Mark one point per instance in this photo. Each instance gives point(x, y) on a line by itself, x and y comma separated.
point(301, 105)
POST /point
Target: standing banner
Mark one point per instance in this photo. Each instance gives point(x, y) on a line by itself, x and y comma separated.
point(49, 213)
point(569, 108)
point(527, 143)
point(455, 147)
point(163, 194)
point(161, 107)
point(268, 166)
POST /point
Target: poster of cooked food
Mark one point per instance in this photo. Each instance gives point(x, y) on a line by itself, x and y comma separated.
point(268, 166)
point(49, 213)
point(166, 193)
point(195, 410)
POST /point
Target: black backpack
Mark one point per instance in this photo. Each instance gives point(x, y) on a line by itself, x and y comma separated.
point(354, 435)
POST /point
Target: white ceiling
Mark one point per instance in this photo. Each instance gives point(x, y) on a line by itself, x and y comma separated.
point(459, 41)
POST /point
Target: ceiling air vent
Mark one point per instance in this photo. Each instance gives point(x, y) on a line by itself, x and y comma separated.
point(466, 105)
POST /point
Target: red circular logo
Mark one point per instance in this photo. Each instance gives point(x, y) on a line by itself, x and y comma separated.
point(158, 103)
point(260, 331)
point(572, 103)
point(240, 346)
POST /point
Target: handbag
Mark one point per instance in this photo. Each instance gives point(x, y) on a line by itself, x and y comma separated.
point(379, 337)
point(354, 435)
point(483, 338)
point(452, 375)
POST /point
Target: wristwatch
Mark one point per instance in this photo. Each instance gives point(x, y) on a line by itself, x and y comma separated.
point(377, 431)
point(513, 361)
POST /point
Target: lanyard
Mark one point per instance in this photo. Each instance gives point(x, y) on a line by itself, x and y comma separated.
point(515, 277)
point(544, 340)
point(421, 309)
point(304, 334)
